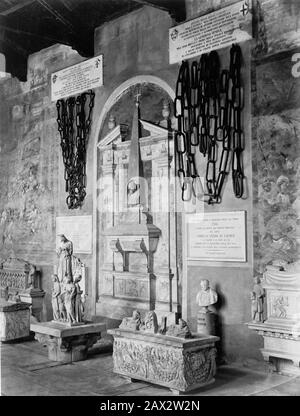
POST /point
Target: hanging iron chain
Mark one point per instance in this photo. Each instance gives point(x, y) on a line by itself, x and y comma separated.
point(208, 107)
point(74, 121)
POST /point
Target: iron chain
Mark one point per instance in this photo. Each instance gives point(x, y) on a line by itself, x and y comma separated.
point(208, 107)
point(74, 122)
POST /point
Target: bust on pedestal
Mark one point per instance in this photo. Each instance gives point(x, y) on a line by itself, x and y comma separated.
point(206, 317)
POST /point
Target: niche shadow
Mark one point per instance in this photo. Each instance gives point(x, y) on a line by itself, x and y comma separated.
point(219, 331)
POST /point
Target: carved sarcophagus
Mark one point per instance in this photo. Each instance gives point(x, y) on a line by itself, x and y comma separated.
point(20, 277)
point(177, 363)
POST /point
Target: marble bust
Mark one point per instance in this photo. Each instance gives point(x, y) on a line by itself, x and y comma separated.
point(206, 296)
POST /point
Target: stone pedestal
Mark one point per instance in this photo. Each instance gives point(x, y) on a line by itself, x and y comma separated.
point(14, 320)
point(67, 343)
point(206, 323)
point(281, 329)
point(177, 363)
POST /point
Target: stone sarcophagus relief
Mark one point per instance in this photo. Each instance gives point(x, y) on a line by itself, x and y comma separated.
point(170, 356)
point(136, 220)
point(19, 277)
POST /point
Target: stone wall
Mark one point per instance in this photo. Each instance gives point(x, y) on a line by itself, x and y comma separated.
point(31, 171)
point(275, 127)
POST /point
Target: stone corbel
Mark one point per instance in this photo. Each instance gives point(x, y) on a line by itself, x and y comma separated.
point(116, 247)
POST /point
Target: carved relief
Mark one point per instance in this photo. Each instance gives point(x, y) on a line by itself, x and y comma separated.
point(279, 304)
point(131, 288)
point(166, 365)
point(17, 274)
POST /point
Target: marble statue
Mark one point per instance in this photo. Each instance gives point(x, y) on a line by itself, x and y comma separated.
point(67, 303)
point(257, 298)
point(55, 295)
point(70, 294)
point(31, 276)
point(133, 322)
point(206, 296)
point(181, 330)
point(64, 252)
point(61, 307)
point(79, 305)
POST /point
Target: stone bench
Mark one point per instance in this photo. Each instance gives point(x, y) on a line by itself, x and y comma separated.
point(67, 343)
point(177, 363)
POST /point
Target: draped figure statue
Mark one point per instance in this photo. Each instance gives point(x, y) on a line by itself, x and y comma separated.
point(64, 252)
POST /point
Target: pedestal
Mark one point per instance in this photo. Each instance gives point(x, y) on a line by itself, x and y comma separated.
point(177, 363)
point(206, 323)
point(14, 320)
point(281, 346)
point(67, 343)
point(34, 297)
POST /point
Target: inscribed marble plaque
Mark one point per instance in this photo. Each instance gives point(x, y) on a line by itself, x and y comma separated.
point(78, 229)
point(212, 31)
point(77, 78)
point(217, 236)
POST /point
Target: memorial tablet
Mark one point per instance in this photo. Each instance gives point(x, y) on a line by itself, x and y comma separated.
point(217, 236)
point(212, 31)
point(77, 78)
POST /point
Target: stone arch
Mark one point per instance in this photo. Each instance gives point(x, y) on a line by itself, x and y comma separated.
point(121, 89)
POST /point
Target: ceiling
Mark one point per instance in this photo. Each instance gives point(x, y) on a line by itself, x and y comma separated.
point(27, 26)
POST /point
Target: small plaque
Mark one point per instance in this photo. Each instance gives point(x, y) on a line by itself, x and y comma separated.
point(77, 78)
point(217, 236)
point(78, 229)
point(213, 31)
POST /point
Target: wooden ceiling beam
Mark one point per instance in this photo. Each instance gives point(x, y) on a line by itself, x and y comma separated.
point(83, 43)
point(17, 7)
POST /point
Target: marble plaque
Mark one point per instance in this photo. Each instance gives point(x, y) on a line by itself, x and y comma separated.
point(217, 236)
point(77, 78)
point(212, 31)
point(78, 229)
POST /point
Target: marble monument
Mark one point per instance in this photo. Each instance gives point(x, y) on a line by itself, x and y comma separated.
point(69, 335)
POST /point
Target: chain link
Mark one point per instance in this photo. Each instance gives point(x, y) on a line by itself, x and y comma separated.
point(74, 126)
point(208, 108)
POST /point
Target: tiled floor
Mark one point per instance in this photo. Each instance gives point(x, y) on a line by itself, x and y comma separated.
point(26, 371)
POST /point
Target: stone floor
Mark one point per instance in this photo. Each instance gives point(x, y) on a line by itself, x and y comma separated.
point(26, 371)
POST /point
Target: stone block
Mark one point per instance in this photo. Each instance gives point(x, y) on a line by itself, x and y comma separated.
point(177, 363)
point(14, 320)
point(67, 343)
